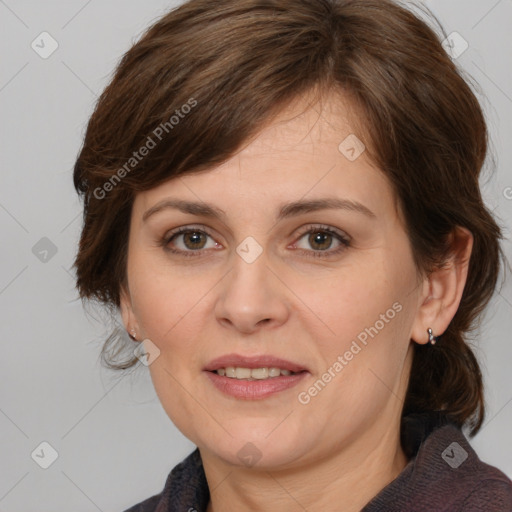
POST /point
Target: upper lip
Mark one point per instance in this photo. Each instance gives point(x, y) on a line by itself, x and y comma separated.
point(261, 361)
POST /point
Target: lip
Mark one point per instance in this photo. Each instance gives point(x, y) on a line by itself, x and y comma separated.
point(254, 389)
point(261, 361)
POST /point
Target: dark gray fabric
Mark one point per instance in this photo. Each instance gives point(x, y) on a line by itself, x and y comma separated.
point(444, 474)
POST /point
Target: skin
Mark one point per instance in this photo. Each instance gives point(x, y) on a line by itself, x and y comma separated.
point(343, 446)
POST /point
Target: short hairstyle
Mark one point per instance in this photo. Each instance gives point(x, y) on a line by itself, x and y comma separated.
point(207, 76)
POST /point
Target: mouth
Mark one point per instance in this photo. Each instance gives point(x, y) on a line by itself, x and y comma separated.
point(252, 378)
point(241, 373)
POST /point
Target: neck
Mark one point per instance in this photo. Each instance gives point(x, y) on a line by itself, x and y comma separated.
point(349, 477)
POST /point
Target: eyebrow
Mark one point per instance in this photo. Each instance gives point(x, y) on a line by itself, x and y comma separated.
point(286, 211)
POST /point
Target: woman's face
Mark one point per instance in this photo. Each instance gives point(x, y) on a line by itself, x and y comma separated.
point(292, 257)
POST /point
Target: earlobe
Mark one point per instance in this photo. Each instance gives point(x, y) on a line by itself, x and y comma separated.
point(443, 288)
point(127, 314)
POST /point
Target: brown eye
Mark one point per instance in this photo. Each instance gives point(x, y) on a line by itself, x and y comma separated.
point(188, 242)
point(194, 239)
point(320, 240)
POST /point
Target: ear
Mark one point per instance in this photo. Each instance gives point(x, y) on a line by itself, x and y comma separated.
point(442, 289)
point(127, 314)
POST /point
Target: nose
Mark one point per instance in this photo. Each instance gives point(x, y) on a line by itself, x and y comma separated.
point(251, 298)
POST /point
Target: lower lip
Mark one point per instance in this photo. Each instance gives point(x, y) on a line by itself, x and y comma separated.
point(254, 389)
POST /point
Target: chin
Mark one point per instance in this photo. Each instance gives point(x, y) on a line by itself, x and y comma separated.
point(256, 446)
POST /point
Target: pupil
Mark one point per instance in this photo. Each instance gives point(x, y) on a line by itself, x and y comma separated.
point(193, 239)
point(320, 240)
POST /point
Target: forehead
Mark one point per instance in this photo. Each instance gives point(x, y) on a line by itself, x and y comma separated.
point(307, 124)
point(310, 148)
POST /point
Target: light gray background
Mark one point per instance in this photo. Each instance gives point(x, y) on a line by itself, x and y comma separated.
point(115, 444)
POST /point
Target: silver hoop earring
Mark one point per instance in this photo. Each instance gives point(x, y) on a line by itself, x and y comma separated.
point(431, 338)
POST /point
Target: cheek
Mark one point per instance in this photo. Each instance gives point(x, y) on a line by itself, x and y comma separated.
point(354, 300)
point(164, 299)
point(176, 393)
point(367, 313)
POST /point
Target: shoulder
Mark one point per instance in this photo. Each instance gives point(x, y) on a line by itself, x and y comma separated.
point(462, 481)
point(490, 495)
point(148, 505)
point(445, 474)
point(185, 489)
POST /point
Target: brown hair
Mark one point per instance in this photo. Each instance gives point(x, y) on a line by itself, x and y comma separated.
point(206, 77)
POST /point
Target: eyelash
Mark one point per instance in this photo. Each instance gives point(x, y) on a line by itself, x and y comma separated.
point(344, 242)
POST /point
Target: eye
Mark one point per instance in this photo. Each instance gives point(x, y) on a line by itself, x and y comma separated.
point(322, 241)
point(188, 241)
point(317, 241)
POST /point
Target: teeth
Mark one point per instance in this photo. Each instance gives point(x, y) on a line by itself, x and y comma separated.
point(259, 373)
point(251, 373)
point(243, 373)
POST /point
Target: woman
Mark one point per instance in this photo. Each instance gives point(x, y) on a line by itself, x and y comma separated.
point(282, 200)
